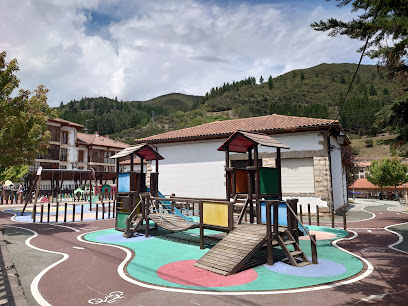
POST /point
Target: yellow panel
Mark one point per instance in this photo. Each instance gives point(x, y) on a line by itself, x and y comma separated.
point(215, 214)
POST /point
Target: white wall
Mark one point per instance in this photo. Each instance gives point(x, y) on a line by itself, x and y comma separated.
point(194, 169)
point(337, 174)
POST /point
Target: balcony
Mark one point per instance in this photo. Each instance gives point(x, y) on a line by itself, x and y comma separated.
point(49, 156)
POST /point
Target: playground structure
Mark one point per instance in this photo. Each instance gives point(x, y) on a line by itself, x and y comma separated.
point(254, 190)
point(90, 191)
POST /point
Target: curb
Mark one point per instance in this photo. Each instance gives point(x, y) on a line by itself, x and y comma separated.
point(11, 290)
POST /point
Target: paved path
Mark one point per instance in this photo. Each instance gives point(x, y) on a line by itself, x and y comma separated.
point(91, 271)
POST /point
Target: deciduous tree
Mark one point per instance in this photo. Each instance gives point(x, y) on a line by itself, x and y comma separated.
point(23, 117)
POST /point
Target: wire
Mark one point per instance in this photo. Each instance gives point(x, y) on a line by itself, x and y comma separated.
point(354, 76)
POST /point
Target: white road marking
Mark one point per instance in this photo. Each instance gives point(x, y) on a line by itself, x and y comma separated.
point(370, 231)
point(34, 284)
point(373, 297)
point(122, 274)
point(79, 248)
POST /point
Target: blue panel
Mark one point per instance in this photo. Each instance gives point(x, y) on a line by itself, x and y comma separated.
point(282, 213)
point(124, 182)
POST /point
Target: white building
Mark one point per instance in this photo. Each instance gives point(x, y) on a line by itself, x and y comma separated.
point(312, 169)
point(72, 150)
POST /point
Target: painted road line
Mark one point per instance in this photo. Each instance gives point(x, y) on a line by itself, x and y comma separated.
point(34, 284)
point(400, 237)
point(122, 274)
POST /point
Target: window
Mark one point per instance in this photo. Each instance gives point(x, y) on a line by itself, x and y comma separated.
point(64, 137)
point(81, 156)
point(63, 167)
point(63, 156)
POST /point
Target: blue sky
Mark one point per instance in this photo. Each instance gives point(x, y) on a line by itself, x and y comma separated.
point(137, 50)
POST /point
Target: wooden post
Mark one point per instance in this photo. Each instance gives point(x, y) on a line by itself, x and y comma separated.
point(308, 214)
point(173, 203)
point(344, 218)
point(42, 212)
point(301, 213)
point(56, 212)
point(147, 206)
point(114, 210)
point(275, 217)
point(314, 249)
point(82, 212)
point(230, 216)
point(251, 202)
point(257, 185)
point(279, 167)
point(109, 210)
point(65, 212)
point(103, 211)
point(289, 216)
point(96, 211)
point(332, 216)
point(269, 257)
point(34, 212)
point(200, 205)
point(227, 175)
point(48, 212)
point(317, 215)
point(73, 212)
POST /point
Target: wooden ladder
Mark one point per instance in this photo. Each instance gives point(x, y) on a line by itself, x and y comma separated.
point(292, 255)
point(240, 201)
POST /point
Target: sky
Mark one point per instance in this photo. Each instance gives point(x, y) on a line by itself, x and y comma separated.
point(136, 50)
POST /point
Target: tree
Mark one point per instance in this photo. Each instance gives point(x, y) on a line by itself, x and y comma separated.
point(270, 82)
point(381, 22)
point(378, 174)
point(261, 80)
point(23, 131)
point(384, 27)
point(388, 172)
point(302, 76)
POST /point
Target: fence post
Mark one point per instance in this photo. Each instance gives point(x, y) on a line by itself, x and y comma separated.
point(96, 212)
point(65, 212)
point(82, 212)
point(109, 208)
point(200, 207)
point(344, 218)
point(269, 233)
point(103, 211)
point(48, 212)
point(332, 216)
point(56, 213)
point(34, 212)
point(301, 213)
point(309, 215)
point(42, 212)
point(317, 215)
point(73, 212)
point(314, 249)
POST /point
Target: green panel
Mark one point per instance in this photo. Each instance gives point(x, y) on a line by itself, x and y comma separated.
point(121, 220)
point(269, 180)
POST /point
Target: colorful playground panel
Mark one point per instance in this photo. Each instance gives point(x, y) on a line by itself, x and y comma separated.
point(282, 213)
point(165, 261)
point(215, 214)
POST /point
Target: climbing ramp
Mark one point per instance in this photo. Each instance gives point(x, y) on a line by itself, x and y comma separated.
point(171, 222)
point(241, 244)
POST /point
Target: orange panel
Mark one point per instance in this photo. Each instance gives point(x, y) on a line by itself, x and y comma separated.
point(241, 180)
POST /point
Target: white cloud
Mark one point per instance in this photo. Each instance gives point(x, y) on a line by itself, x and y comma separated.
point(161, 46)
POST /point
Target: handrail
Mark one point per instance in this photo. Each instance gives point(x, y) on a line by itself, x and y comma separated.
point(131, 215)
point(297, 218)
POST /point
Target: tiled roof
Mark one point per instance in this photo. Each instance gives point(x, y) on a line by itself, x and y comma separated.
point(265, 124)
point(365, 184)
point(92, 139)
point(69, 123)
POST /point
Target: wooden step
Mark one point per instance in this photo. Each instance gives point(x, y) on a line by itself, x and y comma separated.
point(303, 263)
point(296, 253)
point(288, 242)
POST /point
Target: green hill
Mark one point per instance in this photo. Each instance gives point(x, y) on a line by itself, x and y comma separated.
point(175, 101)
point(314, 92)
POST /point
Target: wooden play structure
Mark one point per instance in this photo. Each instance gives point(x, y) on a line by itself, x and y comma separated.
point(131, 213)
point(255, 190)
point(81, 178)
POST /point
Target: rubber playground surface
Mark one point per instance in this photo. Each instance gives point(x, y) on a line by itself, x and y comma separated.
point(167, 259)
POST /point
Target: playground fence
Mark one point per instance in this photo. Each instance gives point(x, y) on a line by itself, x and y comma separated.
point(102, 212)
point(316, 216)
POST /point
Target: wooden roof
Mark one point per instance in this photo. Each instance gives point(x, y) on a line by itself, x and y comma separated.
point(144, 151)
point(241, 141)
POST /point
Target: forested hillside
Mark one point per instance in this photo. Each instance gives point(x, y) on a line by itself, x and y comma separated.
point(314, 92)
